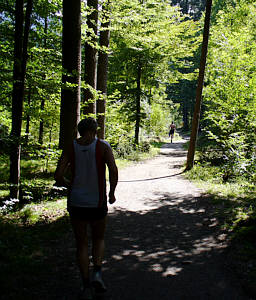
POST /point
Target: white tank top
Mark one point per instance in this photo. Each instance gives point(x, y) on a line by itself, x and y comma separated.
point(85, 188)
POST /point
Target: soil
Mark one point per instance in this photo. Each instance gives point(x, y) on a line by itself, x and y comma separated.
point(163, 241)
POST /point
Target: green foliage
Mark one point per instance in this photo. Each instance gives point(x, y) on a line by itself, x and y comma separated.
point(230, 94)
point(119, 128)
point(205, 173)
point(43, 75)
point(154, 38)
point(157, 124)
point(47, 154)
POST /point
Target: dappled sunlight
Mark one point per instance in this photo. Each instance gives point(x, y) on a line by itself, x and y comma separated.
point(171, 271)
point(173, 236)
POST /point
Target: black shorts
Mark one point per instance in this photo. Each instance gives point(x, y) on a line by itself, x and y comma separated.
point(87, 213)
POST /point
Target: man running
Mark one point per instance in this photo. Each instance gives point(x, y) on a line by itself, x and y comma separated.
point(87, 199)
point(172, 130)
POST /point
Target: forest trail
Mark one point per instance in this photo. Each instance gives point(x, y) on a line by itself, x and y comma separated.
point(163, 240)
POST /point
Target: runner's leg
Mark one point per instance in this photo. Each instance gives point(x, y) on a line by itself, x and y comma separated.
point(98, 230)
point(80, 231)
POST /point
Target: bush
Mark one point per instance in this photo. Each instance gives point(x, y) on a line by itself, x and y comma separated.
point(144, 147)
point(124, 149)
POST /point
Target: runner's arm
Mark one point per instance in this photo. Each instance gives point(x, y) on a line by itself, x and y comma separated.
point(63, 162)
point(113, 173)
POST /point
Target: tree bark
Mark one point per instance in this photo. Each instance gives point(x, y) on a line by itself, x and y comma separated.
point(19, 71)
point(138, 106)
point(91, 58)
point(102, 73)
point(28, 116)
point(41, 124)
point(71, 63)
point(197, 109)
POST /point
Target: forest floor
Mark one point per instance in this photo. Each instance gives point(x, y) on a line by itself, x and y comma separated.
point(163, 241)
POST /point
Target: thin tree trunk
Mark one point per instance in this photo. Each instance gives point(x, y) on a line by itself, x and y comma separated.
point(90, 58)
point(41, 125)
point(102, 73)
point(138, 107)
point(185, 116)
point(71, 63)
point(28, 116)
point(197, 109)
point(19, 71)
point(50, 132)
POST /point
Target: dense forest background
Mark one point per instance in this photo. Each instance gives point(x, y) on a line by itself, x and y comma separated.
point(133, 65)
point(136, 71)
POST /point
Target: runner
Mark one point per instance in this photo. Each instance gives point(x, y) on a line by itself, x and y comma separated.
point(172, 130)
point(87, 200)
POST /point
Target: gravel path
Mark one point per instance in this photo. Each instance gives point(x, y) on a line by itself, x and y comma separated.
point(163, 240)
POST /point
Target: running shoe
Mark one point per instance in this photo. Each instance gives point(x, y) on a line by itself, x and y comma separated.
point(98, 283)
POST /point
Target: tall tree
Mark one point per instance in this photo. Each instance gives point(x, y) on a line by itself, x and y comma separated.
point(91, 57)
point(19, 72)
point(197, 109)
point(41, 124)
point(71, 63)
point(102, 71)
point(28, 115)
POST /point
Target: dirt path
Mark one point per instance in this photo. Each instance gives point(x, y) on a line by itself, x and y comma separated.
point(163, 240)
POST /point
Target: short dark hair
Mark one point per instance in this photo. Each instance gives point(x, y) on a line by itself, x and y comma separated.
point(87, 124)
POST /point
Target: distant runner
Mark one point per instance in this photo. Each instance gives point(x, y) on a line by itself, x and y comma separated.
point(172, 130)
point(87, 199)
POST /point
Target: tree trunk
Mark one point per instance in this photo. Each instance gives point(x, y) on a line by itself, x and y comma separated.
point(102, 73)
point(197, 109)
point(19, 71)
point(71, 63)
point(185, 116)
point(138, 95)
point(28, 116)
point(90, 58)
point(41, 125)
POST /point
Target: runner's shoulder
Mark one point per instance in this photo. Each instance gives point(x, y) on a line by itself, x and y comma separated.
point(105, 146)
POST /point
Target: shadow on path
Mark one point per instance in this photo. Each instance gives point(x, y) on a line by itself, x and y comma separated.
point(172, 252)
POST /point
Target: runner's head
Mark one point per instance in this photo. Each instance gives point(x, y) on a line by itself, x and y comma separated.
point(87, 125)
